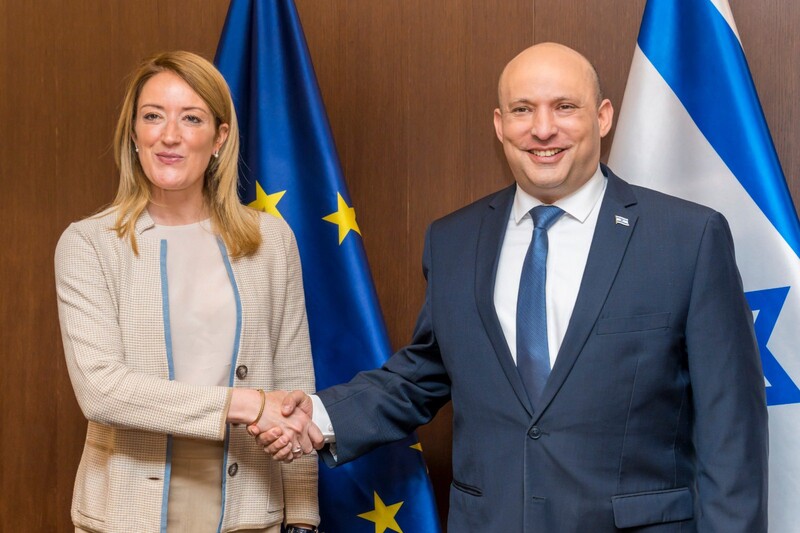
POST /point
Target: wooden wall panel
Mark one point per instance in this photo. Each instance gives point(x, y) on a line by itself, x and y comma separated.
point(62, 67)
point(409, 86)
point(768, 30)
point(359, 47)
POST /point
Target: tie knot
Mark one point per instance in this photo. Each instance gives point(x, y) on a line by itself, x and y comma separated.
point(545, 216)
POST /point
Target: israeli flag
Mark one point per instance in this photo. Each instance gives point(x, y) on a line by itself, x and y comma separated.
point(691, 125)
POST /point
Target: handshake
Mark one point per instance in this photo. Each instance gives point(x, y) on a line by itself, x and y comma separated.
point(284, 427)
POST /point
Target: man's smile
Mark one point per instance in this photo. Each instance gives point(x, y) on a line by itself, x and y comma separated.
point(546, 153)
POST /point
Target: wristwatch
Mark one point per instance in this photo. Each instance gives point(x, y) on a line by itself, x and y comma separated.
point(295, 529)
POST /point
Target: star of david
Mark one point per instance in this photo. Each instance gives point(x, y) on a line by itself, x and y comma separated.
point(781, 390)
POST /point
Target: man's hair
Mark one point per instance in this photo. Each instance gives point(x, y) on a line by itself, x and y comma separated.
point(592, 72)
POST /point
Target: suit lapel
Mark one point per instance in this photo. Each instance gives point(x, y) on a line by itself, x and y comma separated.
point(608, 247)
point(490, 241)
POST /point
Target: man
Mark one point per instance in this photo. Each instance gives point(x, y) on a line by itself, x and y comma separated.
point(653, 416)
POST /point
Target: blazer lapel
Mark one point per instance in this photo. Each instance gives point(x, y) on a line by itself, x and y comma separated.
point(490, 241)
point(608, 247)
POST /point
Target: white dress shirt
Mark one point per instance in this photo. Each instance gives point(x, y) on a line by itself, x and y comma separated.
point(569, 240)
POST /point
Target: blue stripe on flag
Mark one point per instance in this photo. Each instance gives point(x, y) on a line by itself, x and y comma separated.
point(699, 56)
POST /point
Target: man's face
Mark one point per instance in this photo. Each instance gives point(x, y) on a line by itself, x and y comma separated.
point(549, 121)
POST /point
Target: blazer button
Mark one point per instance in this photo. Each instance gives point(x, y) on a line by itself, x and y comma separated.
point(241, 372)
point(232, 469)
point(535, 432)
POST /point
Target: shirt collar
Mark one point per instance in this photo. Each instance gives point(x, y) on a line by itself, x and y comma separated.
point(578, 205)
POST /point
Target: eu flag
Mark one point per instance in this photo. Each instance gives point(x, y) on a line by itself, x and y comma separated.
point(691, 125)
point(290, 169)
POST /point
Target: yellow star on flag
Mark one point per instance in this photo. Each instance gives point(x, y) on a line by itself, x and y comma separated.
point(267, 202)
point(383, 515)
point(417, 446)
point(344, 217)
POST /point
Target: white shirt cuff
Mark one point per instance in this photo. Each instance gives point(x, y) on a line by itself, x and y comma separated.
point(322, 420)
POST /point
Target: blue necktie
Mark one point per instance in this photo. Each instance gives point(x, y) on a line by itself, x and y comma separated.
point(533, 355)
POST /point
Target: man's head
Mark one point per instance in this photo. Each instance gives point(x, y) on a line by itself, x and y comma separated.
point(551, 119)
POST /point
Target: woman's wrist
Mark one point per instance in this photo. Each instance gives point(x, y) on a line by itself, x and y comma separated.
point(245, 405)
point(263, 397)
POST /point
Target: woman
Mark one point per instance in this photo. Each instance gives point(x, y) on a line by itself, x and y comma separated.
point(177, 304)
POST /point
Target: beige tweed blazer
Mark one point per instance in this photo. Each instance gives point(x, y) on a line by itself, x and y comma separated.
point(113, 330)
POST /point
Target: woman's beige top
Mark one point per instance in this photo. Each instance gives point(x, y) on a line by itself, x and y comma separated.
point(111, 306)
point(202, 307)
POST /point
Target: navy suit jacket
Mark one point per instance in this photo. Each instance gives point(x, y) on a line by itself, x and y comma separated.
point(654, 416)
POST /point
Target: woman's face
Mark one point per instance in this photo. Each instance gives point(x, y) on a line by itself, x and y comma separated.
point(175, 135)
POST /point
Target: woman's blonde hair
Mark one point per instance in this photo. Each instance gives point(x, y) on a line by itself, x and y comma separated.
point(235, 223)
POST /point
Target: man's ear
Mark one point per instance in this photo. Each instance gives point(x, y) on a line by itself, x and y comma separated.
point(605, 117)
point(498, 124)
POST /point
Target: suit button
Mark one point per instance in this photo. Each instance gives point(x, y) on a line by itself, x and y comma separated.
point(232, 469)
point(241, 372)
point(535, 432)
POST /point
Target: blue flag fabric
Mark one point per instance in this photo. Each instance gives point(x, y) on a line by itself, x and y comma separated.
point(290, 169)
point(691, 125)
